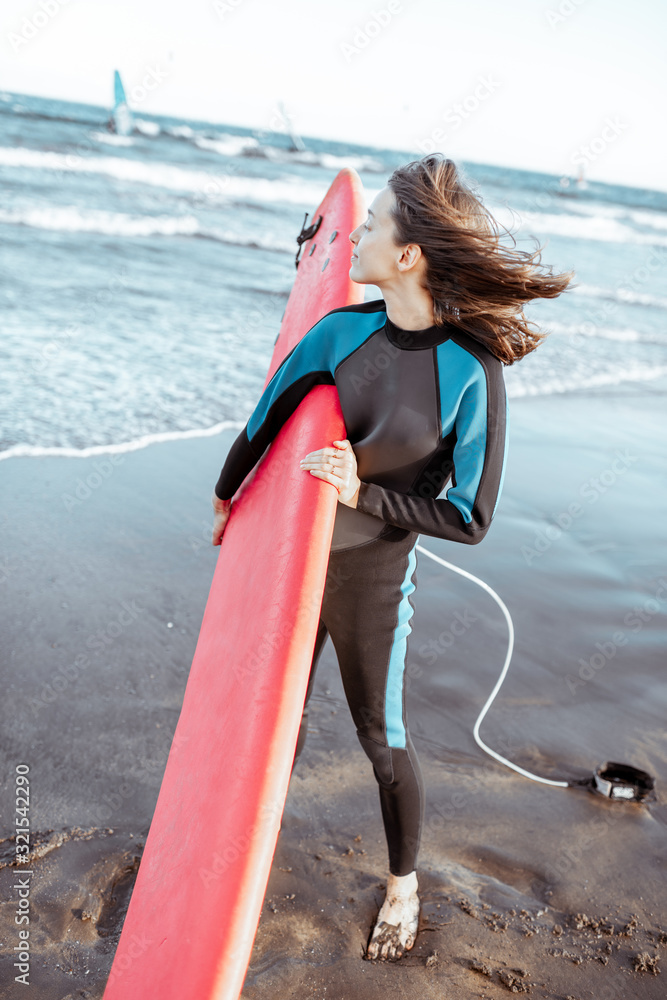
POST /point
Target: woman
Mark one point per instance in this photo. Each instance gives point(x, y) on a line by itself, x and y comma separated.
point(419, 375)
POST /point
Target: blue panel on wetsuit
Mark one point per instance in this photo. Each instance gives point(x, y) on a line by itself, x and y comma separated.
point(318, 352)
point(394, 693)
point(463, 405)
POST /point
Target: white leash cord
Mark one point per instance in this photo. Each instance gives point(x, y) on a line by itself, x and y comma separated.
point(503, 672)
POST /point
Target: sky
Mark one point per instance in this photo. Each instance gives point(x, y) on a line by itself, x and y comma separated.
point(548, 86)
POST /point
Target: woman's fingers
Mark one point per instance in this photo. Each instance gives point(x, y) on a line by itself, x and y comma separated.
point(336, 465)
point(331, 457)
point(219, 524)
point(325, 465)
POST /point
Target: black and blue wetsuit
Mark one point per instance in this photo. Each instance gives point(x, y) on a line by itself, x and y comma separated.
point(427, 416)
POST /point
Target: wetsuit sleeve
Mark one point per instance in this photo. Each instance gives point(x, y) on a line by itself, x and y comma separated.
point(308, 364)
point(479, 456)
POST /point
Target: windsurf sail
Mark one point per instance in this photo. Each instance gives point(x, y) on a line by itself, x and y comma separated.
point(571, 186)
point(121, 116)
point(296, 140)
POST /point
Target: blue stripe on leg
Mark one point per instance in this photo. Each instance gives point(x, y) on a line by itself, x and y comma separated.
point(393, 708)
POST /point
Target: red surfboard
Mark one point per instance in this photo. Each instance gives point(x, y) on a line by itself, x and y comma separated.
point(193, 915)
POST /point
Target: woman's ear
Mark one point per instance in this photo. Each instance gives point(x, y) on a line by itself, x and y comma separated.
point(410, 257)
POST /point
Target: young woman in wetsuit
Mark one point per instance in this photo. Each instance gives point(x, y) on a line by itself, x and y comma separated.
point(419, 375)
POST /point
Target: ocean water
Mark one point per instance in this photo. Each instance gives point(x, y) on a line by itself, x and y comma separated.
point(144, 278)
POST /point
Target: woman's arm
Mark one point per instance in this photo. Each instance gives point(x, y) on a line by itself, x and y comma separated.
point(307, 364)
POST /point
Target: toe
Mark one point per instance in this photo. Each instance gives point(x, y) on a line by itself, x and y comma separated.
point(387, 942)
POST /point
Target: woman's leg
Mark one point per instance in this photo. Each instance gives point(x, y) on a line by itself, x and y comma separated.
point(320, 639)
point(368, 618)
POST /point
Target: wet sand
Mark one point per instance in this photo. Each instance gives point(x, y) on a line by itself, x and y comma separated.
point(525, 888)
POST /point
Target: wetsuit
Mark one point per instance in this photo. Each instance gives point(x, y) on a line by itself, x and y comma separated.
point(424, 410)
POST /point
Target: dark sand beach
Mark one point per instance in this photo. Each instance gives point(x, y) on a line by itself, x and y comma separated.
point(557, 893)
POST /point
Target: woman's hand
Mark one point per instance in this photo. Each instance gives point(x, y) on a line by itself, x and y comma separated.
point(337, 465)
point(221, 510)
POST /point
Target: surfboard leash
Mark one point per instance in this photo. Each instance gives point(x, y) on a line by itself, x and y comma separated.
point(503, 673)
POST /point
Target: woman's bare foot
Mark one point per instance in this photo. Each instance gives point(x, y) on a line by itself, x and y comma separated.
point(395, 929)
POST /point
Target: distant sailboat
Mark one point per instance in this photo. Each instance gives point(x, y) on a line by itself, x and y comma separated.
point(581, 184)
point(120, 121)
point(296, 140)
point(280, 124)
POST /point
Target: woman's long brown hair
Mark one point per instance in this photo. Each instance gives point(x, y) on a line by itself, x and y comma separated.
point(476, 283)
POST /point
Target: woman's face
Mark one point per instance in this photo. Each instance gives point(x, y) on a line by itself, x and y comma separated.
point(375, 254)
